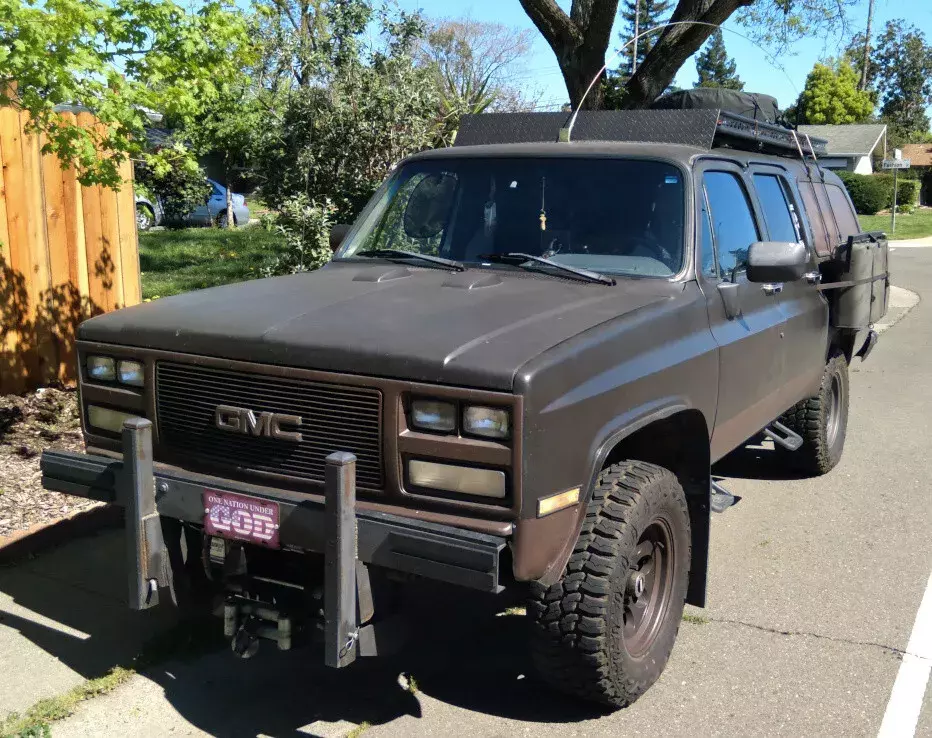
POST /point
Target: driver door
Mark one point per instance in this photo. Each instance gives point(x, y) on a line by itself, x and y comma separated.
point(745, 318)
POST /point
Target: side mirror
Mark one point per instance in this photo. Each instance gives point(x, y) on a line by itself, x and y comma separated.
point(777, 261)
point(337, 234)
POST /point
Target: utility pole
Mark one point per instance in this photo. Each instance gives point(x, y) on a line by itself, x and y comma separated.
point(634, 50)
point(865, 67)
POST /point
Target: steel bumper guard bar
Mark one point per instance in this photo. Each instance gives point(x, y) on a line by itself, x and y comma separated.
point(349, 538)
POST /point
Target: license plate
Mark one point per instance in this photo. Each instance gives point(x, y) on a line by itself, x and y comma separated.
point(243, 518)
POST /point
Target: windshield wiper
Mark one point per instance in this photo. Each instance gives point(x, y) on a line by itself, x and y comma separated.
point(400, 254)
point(520, 259)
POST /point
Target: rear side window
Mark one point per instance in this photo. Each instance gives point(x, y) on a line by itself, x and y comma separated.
point(820, 237)
point(844, 213)
point(829, 215)
point(733, 223)
point(777, 208)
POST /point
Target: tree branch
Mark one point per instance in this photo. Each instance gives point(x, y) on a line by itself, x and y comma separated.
point(555, 25)
point(675, 45)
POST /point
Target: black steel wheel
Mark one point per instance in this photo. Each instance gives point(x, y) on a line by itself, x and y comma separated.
point(822, 421)
point(604, 632)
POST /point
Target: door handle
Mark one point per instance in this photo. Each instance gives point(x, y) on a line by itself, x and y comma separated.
point(772, 289)
point(813, 277)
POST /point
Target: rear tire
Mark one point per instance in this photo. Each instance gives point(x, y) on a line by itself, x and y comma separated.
point(822, 421)
point(598, 633)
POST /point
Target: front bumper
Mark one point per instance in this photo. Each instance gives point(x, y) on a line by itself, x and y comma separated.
point(454, 555)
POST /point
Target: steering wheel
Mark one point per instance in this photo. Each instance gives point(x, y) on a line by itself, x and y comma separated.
point(648, 246)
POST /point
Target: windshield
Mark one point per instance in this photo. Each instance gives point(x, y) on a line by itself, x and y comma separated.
point(616, 216)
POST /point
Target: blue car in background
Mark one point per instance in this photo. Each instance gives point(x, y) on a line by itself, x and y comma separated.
point(213, 211)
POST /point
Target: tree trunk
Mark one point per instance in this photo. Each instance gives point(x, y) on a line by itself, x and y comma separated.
point(579, 69)
point(865, 67)
point(579, 41)
point(231, 223)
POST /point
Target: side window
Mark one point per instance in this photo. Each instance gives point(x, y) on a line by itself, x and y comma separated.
point(844, 213)
point(777, 208)
point(829, 215)
point(707, 244)
point(814, 214)
point(733, 221)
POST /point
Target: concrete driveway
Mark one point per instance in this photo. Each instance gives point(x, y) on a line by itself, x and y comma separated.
point(814, 592)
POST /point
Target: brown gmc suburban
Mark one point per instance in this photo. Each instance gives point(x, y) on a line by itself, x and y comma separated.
point(515, 373)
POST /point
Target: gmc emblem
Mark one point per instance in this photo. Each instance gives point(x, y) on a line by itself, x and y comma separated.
point(269, 425)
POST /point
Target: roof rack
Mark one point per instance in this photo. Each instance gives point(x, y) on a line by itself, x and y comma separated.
point(706, 129)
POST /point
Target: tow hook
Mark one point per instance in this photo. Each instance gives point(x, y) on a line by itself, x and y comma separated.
point(245, 643)
point(245, 622)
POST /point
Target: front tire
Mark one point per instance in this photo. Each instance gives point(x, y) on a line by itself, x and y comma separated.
point(604, 632)
point(822, 421)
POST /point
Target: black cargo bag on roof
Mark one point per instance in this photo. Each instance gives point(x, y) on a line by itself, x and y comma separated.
point(749, 104)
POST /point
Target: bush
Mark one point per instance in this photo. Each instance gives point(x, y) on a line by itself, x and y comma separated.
point(306, 227)
point(173, 176)
point(868, 193)
point(907, 190)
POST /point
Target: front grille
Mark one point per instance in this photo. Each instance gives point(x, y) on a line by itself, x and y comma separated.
point(333, 418)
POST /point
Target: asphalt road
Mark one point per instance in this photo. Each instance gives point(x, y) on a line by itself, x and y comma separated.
point(814, 590)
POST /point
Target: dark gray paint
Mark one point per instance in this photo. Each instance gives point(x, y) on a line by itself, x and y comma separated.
point(590, 364)
point(364, 318)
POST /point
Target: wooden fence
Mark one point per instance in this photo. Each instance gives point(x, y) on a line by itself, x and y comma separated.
point(67, 252)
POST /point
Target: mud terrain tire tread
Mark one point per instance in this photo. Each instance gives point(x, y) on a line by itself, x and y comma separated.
point(809, 419)
point(571, 643)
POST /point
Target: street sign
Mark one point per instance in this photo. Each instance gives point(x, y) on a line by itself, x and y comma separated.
point(896, 163)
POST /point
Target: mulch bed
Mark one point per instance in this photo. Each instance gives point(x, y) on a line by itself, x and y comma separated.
point(47, 418)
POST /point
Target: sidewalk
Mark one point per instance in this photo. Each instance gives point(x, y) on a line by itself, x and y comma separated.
point(63, 619)
point(913, 243)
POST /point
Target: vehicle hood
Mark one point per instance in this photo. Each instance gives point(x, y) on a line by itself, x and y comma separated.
point(474, 328)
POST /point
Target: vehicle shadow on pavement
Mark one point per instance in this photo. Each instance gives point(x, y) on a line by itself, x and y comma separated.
point(463, 650)
point(758, 459)
point(70, 602)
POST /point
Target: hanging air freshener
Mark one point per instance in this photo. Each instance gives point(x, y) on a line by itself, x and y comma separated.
point(543, 203)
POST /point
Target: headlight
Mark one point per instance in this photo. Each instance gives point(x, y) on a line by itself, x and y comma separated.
point(102, 368)
point(103, 418)
point(461, 479)
point(490, 422)
point(131, 372)
point(433, 415)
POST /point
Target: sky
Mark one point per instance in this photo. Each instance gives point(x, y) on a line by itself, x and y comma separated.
point(759, 74)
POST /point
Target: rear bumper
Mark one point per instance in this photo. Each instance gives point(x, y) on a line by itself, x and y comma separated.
point(454, 555)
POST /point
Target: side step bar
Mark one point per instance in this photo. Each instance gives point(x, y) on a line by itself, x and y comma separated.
point(721, 499)
point(783, 436)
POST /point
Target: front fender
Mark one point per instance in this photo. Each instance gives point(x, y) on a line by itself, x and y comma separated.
point(542, 546)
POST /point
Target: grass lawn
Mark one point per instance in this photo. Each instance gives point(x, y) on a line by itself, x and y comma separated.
point(916, 225)
point(174, 261)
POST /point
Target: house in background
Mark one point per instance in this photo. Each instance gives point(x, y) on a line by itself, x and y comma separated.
point(851, 147)
point(920, 160)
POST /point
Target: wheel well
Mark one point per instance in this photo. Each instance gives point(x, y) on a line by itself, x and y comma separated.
point(842, 342)
point(679, 443)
